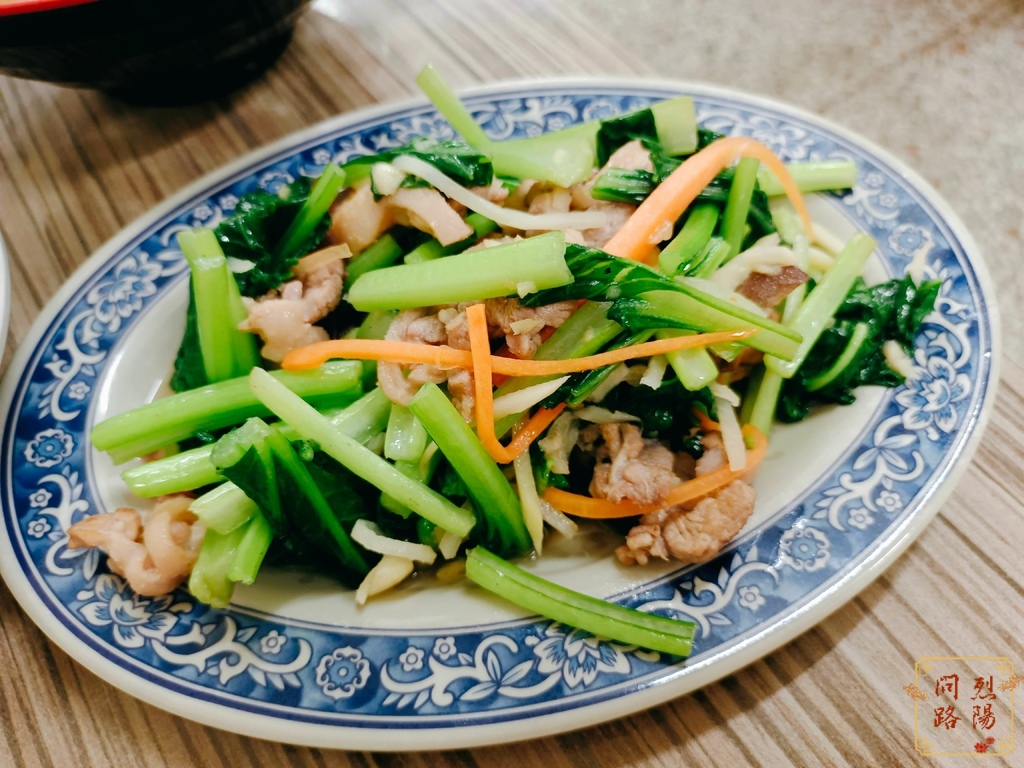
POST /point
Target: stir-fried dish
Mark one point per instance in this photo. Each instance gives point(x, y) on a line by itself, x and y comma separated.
point(441, 354)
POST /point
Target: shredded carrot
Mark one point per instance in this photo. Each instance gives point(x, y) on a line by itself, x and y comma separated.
point(408, 352)
point(674, 195)
point(500, 378)
point(480, 350)
point(706, 424)
point(603, 509)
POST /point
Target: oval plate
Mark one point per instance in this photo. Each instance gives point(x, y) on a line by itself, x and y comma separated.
point(446, 667)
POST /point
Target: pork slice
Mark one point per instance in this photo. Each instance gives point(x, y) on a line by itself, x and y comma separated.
point(629, 467)
point(358, 220)
point(285, 318)
point(426, 209)
point(690, 535)
point(769, 289)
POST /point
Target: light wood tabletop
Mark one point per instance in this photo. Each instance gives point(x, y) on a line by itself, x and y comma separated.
point(930, 81)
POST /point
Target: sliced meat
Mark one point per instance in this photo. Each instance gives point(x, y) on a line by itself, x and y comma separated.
point(284, 318)
point(714, 454)
point(629, 467)
point(522, 326)
point(631, 156)
point(427, 210)
point(411, 325)
point(769, 289)
point(154, 559)
point(358, 220)
point(690, 535)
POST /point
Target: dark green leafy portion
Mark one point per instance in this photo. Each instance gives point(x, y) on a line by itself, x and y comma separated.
point(189, 371)
point(665, 413)
point(253, 231)
point(893, 310)
point(310, 501)
point(636, 314)
point(616, 131)
point(460, 162)
point(599, 276)
point(617, 185)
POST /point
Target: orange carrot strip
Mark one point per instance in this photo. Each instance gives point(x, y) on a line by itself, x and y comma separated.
point(706, 424)
point(603, 509)
point(674, 195)
point(480, 350)
point(532, 429)
point(446, 357)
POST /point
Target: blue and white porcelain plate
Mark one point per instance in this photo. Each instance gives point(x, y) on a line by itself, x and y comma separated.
point(441, 666)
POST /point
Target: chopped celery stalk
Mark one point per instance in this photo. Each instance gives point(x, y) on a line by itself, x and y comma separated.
point(857, 339)
point(261, 461)
point(591, 380)
point(699, 311)
point(179, 472)
point(448, 104)
point(170, 419)
point(409, 469)
point(422, 470)
point(591, 614)
point(383, 253)
point(694, 367)
point(251, 550)
point(678, 257)
point(816, 176)
point(209, 581)
point(762, 415)
point(325, 190)
point(676, 125)
point(734, 217)
point(714, 255)
point(405, 439)
point(227, 352)
point(304, 419)
point(586, 332)
point(563, 157)
point(364, 419)
point(432, 249)
point(374, 326)
point(821, 304)
point(524, 266)
point(224, 508)
point(491, 493)
point(618, 185)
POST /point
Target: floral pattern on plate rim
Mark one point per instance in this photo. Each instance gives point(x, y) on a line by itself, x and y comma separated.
point(448, 677)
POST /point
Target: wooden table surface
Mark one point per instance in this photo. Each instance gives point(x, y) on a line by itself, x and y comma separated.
point(925, 79)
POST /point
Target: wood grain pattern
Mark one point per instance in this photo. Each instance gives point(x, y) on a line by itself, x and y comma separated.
point(76, 167)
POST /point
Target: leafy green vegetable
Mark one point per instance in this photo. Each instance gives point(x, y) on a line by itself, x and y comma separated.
point(215, 406)
point(666, 413)
point(253, 231)
point(601, 276)
point(189, 371)
point(500, 521)
point(590, 614)
point(616, 131)
point(618, 185)
point(456, 160)
point(580, 385)
point(892, 311)
point(309, 501)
